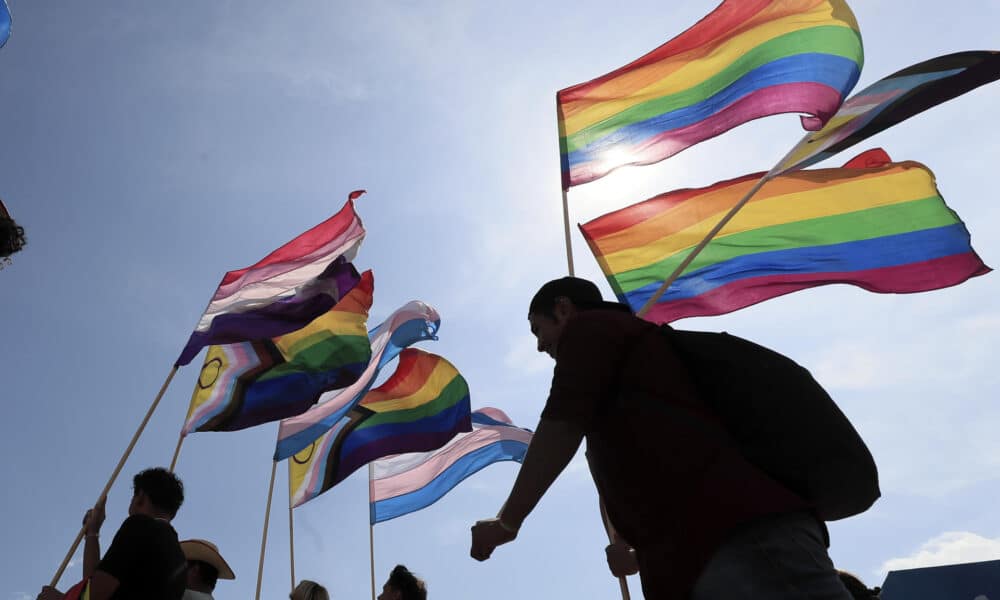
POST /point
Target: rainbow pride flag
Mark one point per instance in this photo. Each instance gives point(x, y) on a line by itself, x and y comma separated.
point(894, 99)
point(411, 323)
point(747, 59)
point(286, 289)
point(405, 483)
point(879, 225)
point(246, 384)
point(422, 406)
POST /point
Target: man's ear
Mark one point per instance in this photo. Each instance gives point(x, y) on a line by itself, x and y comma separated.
point(564, 308)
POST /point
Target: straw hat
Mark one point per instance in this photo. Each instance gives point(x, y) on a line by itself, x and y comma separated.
point(207, 552)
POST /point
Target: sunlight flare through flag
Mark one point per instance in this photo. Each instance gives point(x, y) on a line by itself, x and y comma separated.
point(745, 60)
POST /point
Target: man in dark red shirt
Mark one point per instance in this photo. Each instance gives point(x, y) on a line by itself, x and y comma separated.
point(704, 522)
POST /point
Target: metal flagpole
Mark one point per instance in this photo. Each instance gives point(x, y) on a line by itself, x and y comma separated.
point(118, 468)
point(263, 539)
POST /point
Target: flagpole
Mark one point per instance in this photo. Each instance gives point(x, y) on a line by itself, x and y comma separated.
point(118, 468)
point(569, 243)
point(291, 528)
point(702, 244)
point(177, 452)
point(776, 170)
point(609, 528)
point(371, 529)
point(565, 200)
point(263, 539)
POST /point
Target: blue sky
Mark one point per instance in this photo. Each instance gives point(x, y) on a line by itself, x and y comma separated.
point(149, 147)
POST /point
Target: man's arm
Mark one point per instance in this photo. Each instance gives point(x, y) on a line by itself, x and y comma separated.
point(102, 585)
point(92, 522)
point(621, 556)
point(552, 447)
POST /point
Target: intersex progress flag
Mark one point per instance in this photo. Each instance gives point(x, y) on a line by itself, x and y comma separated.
point(412, 323)
point(747, 59)
point(249, 383)
point(894, 99)
point(405, 483)
point(879, 225)
point(422, 406)
point(286, 289)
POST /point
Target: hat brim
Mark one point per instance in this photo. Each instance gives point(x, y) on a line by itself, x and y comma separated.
point(198, 550)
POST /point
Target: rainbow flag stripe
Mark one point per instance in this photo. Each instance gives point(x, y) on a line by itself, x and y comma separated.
point(745, 60)
point(414, 322)
point(875, 224)
point(246, 384)
point(286, 289)
point(420, 408)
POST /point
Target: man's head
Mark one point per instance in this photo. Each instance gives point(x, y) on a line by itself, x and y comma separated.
point(11, 237)
point(403, 585)
point(156, 492)
point(558, 300)
point(205, 565)
point(309, 590)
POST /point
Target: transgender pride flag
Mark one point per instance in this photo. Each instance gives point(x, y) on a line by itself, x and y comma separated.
point(286, 289)
point(405, 483)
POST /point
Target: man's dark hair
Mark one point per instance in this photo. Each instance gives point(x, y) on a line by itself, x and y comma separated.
point(581, 292)
point(208, 574)
point(162, 487)
point(402, 580)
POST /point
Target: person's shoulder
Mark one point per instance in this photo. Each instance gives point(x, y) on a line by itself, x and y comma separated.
point(146, 525)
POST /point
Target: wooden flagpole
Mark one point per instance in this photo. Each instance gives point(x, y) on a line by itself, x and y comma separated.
point(569, 243)
point(609, 529)
point(263, 539)
point(118, 468)
point(701, 246)
point(177, 452)
point(565, 200)
point(371, 529)
point(776, 170)
point(291, 528)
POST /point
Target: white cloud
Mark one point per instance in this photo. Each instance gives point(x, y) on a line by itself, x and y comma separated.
point(948, 548)
point(21, 596)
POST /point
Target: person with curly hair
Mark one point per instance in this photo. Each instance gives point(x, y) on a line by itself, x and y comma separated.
point(11, 234)
point(145, 559)
point(403, 585)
